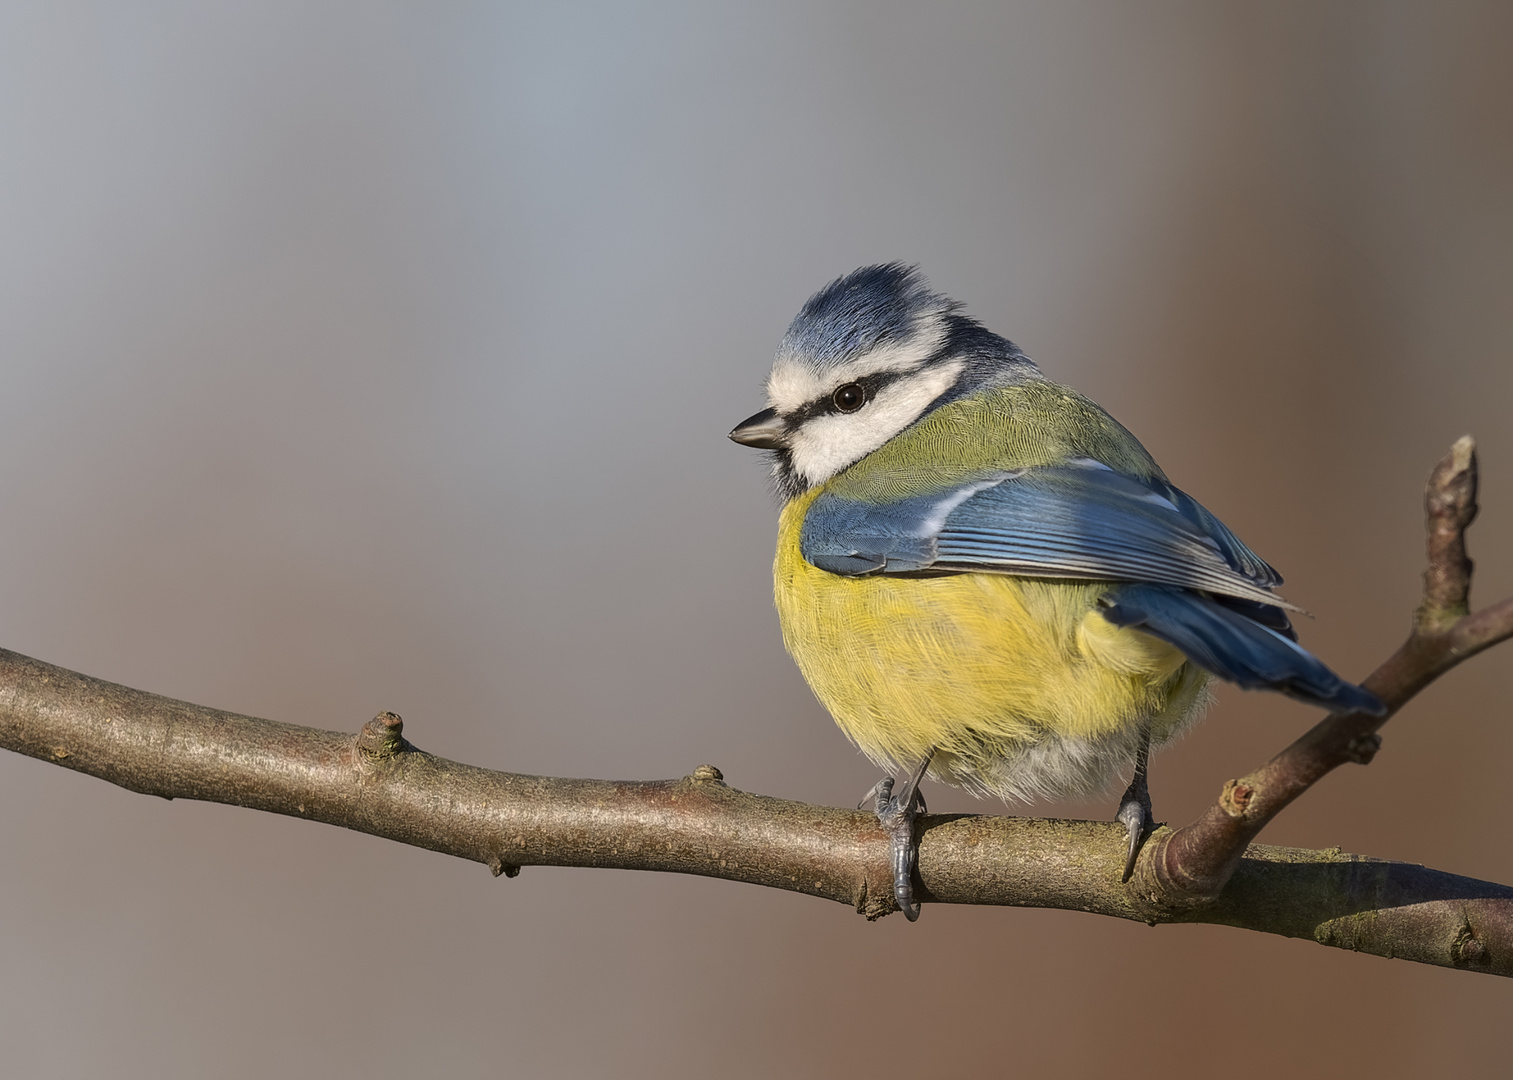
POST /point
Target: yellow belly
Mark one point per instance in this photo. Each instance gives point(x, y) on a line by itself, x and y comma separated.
point(1020, 685)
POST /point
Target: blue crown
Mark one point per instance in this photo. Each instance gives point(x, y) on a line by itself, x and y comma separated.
point(873, 306)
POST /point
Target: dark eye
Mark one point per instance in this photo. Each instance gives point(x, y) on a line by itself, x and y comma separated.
point(849, 398)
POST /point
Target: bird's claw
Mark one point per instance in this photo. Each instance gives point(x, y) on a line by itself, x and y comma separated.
point(897, 820)
point(1136, 817)
point(877, 796)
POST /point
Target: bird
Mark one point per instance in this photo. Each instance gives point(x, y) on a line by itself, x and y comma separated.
point(984, 577)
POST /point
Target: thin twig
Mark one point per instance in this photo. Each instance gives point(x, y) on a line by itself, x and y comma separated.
point(1192, 865)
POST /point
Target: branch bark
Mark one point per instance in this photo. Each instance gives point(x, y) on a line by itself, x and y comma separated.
point(376, 782)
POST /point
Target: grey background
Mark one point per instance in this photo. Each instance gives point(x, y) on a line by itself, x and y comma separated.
point(365, 356)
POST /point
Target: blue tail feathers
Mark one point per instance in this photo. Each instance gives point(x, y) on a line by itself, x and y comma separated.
point(1234, 644)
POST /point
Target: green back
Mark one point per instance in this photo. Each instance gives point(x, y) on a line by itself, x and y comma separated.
point(1012, 427)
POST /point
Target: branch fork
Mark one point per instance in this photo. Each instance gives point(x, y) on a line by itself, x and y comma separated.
point(1192, 865)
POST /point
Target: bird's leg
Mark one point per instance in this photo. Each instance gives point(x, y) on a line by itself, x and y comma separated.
point(896, 814)
point(1135, 808)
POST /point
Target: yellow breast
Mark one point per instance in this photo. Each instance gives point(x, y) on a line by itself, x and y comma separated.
point(994, 672)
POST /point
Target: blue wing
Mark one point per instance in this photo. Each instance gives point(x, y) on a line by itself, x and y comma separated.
point(1081, 521)
point(1230, 643)
point(1185, 578)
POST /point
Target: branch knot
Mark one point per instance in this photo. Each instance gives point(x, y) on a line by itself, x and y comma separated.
point(1234, 800)
point(380, 737)
point(1362, 748)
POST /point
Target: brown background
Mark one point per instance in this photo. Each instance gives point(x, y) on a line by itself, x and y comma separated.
point(362, 356)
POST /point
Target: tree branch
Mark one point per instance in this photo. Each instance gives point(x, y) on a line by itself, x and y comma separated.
point(376, 782)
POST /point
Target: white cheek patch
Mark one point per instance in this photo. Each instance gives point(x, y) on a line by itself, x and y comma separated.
point(794, 382)
point(824, 445)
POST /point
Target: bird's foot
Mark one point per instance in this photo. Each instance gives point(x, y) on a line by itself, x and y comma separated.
point(896, 814)
point(1136, 817)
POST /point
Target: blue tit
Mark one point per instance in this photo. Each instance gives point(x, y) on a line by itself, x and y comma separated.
point(984, 577)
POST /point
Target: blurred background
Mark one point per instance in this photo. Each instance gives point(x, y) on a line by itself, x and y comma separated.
point(362, 356)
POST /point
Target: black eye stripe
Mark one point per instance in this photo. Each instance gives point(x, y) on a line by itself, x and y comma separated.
point(870, 385)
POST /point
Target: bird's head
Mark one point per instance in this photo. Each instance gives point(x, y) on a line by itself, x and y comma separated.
point(869, 355)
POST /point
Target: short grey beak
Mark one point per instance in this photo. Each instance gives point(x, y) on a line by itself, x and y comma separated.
point(765, 431)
